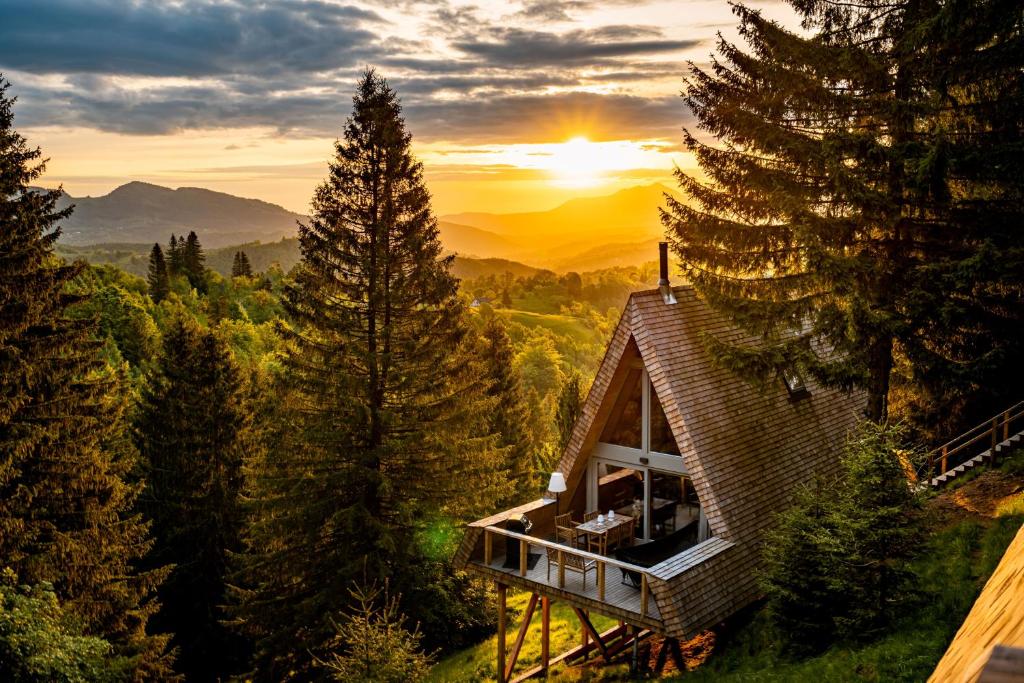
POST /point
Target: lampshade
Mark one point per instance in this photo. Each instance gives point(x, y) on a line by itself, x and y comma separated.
point(557, 484)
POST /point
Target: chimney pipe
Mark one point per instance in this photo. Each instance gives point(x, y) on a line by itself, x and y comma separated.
point(662, 263)
point(663, 285)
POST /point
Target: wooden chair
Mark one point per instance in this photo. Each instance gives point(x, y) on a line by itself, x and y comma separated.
point(565, 530)
point(573, 563)
point(625, 533)
point(589, 516)
point(598, 542)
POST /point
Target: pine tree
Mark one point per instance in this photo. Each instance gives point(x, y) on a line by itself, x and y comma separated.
point(570, 405)
point(390, 412)
point(65, 505)
point(837, 220)
point(192, 429)
point(193, 262)
point(240, 265)
point(159, 282)
point(175, 251)
point(510, 417)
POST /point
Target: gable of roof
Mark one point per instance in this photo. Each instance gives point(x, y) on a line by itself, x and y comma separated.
point(745, 447)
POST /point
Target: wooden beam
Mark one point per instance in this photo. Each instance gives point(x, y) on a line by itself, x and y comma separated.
point(545, 632)
point(518, 645)
point(588, 629)
point(564, 657)
point(500, 670)
point(488, 547)
point(524, 556)
point(644, 594)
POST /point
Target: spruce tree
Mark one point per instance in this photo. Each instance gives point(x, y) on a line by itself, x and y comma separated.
point(192, 428)
point(174, 256)
point(839, 221)
point(193, 262)
point(240, 265)
point(570, 405)
point(389, 428)
point(65, 504)
point(159, 282)
point(510, 417)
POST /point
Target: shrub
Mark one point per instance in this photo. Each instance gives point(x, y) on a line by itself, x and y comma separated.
point(836, 564)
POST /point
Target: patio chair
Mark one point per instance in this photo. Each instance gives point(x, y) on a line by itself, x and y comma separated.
point(565, 530)
point(573, 563)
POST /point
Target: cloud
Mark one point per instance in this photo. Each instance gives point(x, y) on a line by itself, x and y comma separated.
point(205, 38)
point(151, 67)
point(517, 47)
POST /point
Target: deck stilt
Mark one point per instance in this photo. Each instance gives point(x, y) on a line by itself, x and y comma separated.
point(545, 633)
point(589, 630)
point(500, 670)
point(518, 645)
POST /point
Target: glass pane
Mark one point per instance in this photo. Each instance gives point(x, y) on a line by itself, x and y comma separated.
point(624, 422)
point(671, 512)
point(661, 437)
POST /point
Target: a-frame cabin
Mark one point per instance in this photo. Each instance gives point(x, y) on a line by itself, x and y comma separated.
point(698, 458)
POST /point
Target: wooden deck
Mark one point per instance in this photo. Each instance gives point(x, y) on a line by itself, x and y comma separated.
point(621, 601)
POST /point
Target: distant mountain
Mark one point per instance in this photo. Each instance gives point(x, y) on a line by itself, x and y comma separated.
point(144, 213)
point(582, 234)
point(549, 237)
point(466, 240)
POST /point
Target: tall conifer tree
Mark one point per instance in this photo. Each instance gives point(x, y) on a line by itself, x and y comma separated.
point(836, 222)
point(510, 417)
point(65, 507)
point(159, 282)
point(191, 430)
point(174, 256)
point(193, 262)
point(390, 410)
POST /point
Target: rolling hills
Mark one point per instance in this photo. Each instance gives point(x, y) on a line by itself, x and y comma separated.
point(582, 234)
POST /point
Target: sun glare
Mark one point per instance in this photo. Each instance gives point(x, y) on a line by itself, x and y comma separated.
point(576, 162)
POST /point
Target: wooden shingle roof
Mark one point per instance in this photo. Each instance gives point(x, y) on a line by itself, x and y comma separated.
point(745, 447)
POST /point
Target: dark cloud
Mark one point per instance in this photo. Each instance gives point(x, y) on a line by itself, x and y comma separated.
point(205, 38)
point(517, 47)
point(292, 65)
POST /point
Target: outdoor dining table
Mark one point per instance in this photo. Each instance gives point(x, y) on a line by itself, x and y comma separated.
point(601, 529)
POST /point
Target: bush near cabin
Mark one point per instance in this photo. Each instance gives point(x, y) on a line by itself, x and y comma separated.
point(837, 563)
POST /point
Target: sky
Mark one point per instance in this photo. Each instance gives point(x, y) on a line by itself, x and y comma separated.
point(513, 106)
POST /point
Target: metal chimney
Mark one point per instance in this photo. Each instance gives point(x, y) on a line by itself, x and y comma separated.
point(663, 285)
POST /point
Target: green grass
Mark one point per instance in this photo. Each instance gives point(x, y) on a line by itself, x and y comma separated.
point(577, 329)
point(478, 663)
point(951, 573)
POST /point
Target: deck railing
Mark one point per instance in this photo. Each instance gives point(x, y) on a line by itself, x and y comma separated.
point(564, 551)
point(975, 441)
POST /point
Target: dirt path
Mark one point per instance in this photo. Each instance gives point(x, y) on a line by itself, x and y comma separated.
point(978, 499)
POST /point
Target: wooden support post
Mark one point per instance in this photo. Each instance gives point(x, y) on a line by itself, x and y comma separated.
point(518, 645)
point(945, 460)
point(1006, 425)
point(584, 636)
point(524, 555)
point(644, 594)
point(500, 671)
point(561, 569)
point(995, 434)
point(590, 631)
point(545, 633)
point(600, 581)
point(488, 547)
point(634, 660)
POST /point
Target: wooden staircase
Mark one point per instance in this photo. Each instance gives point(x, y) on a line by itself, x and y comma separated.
point(985, 444)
